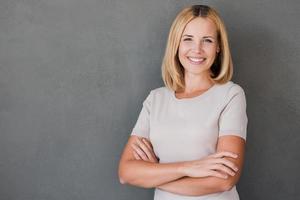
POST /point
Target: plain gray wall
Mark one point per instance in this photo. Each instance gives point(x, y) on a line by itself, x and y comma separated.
point(74, 73)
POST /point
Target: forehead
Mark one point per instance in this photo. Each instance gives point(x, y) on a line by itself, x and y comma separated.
point(201, 26)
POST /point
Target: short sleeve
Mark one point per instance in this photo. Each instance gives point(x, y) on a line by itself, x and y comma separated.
point(233, 119)
point(142, 126)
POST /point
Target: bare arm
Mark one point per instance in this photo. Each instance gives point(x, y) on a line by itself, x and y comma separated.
point(207, 185)
point(146, 174)
point(204, 167)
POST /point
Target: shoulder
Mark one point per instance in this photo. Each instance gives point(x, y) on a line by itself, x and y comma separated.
point(159, 95)
point(235, 95)
point(230, 89)
point(225, 93)
point(160, 92)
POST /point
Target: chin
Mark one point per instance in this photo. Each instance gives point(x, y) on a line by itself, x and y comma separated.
point(196, 70)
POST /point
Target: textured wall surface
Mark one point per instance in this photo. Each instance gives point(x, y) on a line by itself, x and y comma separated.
point(73, 75)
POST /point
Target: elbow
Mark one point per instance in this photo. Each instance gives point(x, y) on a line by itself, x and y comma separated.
point(122, 177)
point(121, 174)
point(122, 181)
point(227, 186)
point(135, 182)
point(125, 177)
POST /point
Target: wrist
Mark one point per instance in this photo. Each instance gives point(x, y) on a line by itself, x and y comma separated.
point(182, 166)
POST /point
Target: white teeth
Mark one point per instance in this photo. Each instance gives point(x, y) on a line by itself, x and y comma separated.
point(196, 59)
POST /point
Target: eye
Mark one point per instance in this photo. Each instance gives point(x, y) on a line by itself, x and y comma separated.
point(208, 40)
point(187, 39)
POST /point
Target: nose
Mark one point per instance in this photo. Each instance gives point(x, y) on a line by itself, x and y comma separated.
point(198, 46)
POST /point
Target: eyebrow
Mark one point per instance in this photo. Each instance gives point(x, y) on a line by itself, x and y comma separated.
point(203, 37)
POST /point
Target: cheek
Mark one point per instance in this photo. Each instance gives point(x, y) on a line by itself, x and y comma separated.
point(211, 51)
point(181, 55)
point(182, 50)
point(184, 47)
point(214, 54)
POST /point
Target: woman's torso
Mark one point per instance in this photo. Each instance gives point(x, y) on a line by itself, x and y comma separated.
point(187, 129)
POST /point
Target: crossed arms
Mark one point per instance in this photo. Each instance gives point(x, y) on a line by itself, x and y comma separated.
point(139, 166)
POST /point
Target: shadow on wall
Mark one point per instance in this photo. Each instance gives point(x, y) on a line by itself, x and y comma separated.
point(265, 64)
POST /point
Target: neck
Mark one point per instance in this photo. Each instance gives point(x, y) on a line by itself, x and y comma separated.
point(197, 82)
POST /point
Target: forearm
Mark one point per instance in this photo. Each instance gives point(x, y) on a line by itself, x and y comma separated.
point(196, 186)
point(207, 185)
point(148, 175)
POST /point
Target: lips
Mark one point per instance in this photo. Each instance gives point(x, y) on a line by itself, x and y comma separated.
point(196, 60)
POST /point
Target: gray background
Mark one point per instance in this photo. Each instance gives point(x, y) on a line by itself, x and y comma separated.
point(73, 75)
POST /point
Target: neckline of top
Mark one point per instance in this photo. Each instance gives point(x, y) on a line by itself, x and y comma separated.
point(205, 93)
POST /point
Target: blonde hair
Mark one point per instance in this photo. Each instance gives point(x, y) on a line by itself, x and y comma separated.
point(172, 70)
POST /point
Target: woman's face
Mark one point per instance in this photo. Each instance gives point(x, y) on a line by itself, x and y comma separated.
point(198, 46)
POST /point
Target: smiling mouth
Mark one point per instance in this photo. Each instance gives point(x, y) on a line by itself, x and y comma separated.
point(197, 61)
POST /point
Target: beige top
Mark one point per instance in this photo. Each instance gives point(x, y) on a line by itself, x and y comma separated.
point(188, 129)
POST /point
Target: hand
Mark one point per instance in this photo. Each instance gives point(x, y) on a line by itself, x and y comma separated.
point(143, 150)
point(212, 165)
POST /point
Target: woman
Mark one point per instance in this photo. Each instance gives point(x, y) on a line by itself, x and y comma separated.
point(189, 139)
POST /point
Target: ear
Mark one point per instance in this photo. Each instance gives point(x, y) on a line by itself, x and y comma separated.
point(218, 49)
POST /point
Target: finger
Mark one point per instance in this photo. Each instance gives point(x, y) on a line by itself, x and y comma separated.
point(136, 156)
point(145, 149)
point(148, 143)
point(223, 168)
point(139, 152)
point(218, 174)
point(150, 147)
point(222, 154)
point(226, 162)
point(145, 157)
